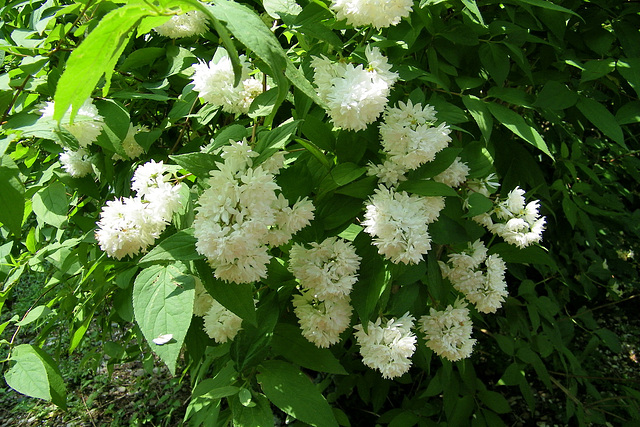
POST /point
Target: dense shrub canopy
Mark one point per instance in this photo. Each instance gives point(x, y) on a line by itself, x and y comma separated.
point(416, 205)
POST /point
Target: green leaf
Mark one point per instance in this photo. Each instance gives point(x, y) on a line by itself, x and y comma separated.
point(593, 70)
point(516, 124)
point(292, 391)
point(556, 96)
point(199, 164)
point(252, 344)
point(163, 304)
point(11, 196)
point(35, 314)
point(237, 298)
point(96, 56)
point(495, 59)
point(344, 173)
point(141, 57)
point(35, 374)
point(50, 204)
point(610, 339)
point(630, 70)
point(177, 247)
point(600, 116)
point(495, 401)
point(629, 113)
point(288, 342)
point(480, 114)
point(263, 104)
point(315, 151)
point(547, 5)
point(259, 414)
point(427, 188)
point(478, 204)
point(116, 125)
point(373, 281)
point(528, 255)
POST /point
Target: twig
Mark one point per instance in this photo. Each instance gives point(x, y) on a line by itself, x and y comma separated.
point(84, 402)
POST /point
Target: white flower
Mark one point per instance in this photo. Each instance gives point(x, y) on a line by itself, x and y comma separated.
point(454, 175)
point(86, 125)
point(518, 224)
point(409, 137)
point(389, 173)
point(322, 322)
point(486, 289)
point(241, 214)
point(215, 82)
point(387, 348)
point(202, 301)
point(355, 96)
point(131, 148)
point(328, 269)
point(188, 24)
point(448, 332)
point(221, 324)
point(76, 163)
point(399, 222)
point(126, 227)
point(378, 13)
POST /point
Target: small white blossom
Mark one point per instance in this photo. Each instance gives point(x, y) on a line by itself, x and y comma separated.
point(387, 348)
point(76, 163)
point(398, 223)
point(448, 332)
point(221, 324)
point(215, 82)
point(188, 24)
point(454, 175)
point(129, 144)
point(378, 13)
point(86, 125)
point(322, 322)
point(328, 269)
point(202, 301)
point(355, 96)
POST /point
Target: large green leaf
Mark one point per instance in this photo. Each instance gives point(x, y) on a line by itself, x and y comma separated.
point(96, 56)
point(11, 196)
point(237, 298)
point(177, 247)
point(50, 204)
point(292, 391)
point(630, 70)
point(480, 114)
point(163, 304)
point(516, 124)
point(602, 118)
point(288, 342)
point(257, 414)
point(35, 374)
point(427, 188)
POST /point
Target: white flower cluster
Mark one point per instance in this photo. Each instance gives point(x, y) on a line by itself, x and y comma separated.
point(486, 289)
point(387, 348)
point(188, 24)
point(86, 125)
point(355, 96)
point(131, 224)
point(454, 175)
point(241, 213)
point(326, 273)
point(448, 332)
point(220, 323)
point(411, 139)
point(202, 301)
point(76, 163)
point(215, 82)
point(399, 223)
point(378, 13)
point(322, 322)
point(519, 224)
point(129, 144)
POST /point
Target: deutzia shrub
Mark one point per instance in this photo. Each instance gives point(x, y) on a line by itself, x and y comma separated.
point(322, 321)
point(387, 348)
point(220, 323)
point(76, 163)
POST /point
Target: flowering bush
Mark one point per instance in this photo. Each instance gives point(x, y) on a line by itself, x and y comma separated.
point(361, 193)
